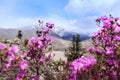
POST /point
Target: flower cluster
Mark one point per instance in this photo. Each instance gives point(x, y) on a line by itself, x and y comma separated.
point(12, 59)
point(40, 42)
point(37, 47)
point(49, 25)
point(82, 63)
point(106, 42)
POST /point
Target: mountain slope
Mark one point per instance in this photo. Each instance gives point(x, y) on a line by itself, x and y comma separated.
point(68, 36)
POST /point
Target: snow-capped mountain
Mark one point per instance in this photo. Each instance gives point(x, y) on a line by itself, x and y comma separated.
point(67, 35)
point(58, 32)
point(29, 31)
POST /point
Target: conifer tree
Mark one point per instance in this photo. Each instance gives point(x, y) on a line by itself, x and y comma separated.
point(19, 35)
point(75, 48)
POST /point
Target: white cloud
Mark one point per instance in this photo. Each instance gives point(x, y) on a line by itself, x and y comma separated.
point(67, 24)
point(86, 7)
point(86, 12)
point(82, 25)
point(17, 22)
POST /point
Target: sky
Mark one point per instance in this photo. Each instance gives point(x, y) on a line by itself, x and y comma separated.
point(72, 15)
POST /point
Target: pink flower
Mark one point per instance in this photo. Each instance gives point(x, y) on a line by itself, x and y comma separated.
point(50, 40)
point(97, 51)
point(98, 20)
point(43, 58)
point(50, 56)
point(107, 24)
point(40, 45)
point(82, 63)
point(2, 46)
point(36, 77)
point(109, 61)
point(8, 65)
point(32, 41)
point(117, 29)
point(94, 34)
point(23, 65)
point(23, 55)
point(116, 19)
point(39, 21)
point(112, 63)
point(114, 26)
point(18, 78)
point(12, 58)
point(41, 38)
point(52, 25)
point(88, 49)
point(104, 18)
point(13, 49)
point(45, 31)
point(22, 73)
point(92, 60)
point(117, 38)
point(49, 25)
point(109, 51)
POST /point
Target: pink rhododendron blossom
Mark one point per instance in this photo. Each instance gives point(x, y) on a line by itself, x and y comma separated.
point(107, 24)
point(73, 76)
point(43, 58)
point(50, 40)
point(103, 18)
point(117, 18)
point(109, 37)
point(41, 38)
point(109, 51)
point(33, 54)
point(45, 31)
point(2, 46)
point(92, 60)
point(88, 49)
point(96, 50)
point(12, 58)
point(18, 78)
point(49, 25)
point(98, 20)
point(94, 34)
point(13, 49)
point(8, 65)
point(23, 65)
point(22, 73)
point(32, 41)
point(36, 77)
point(50, 56)
point(23, 55)
point(117, 38)
point(40, 45)
point(117, 29)
point(114, 26)
point(40, 21)
point(82, 63)
point(109, 61)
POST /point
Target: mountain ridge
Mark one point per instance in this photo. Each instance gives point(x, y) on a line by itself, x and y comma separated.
point(29, 31)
